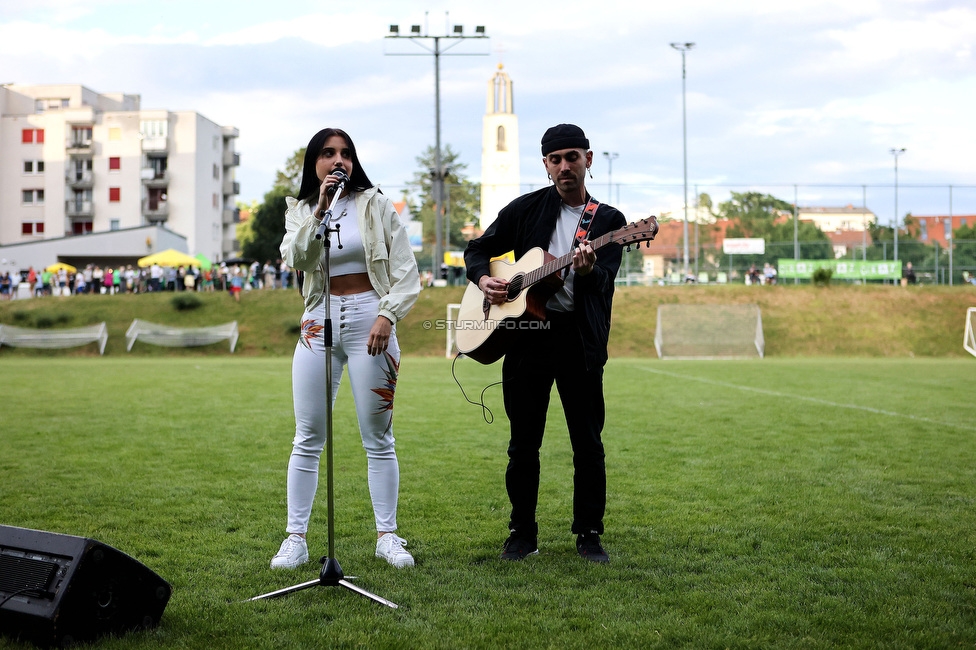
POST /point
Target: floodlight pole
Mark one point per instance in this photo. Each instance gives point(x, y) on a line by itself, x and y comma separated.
point(438, 172)
point(610, 156)
point(684, 47)
point(896, 153)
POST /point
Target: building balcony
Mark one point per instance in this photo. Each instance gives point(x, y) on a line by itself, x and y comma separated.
point(155, 144)
point(79, 180)
point(231, 187)
point(155, 212)
point(231, 215)
point(79, 209)
point(153, 178)
point(79, 147)
point(232, 159)
point(230, 246)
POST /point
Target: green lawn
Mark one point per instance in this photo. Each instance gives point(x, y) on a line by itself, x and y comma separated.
point(801, 503)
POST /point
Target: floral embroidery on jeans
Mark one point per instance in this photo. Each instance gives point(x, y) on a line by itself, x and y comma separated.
point(310, 330)
point(388, 388)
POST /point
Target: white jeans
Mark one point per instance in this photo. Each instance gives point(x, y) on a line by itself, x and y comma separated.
point(373, 381)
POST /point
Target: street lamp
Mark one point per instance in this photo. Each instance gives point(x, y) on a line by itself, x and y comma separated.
point(896, 153)
point(610, 156)
point(439, 172)
point(684, 47)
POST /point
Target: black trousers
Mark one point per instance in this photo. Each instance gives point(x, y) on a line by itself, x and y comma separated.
point(541, 357)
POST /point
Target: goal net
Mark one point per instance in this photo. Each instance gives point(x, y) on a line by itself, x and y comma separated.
point(452, 315)
point(709, 332)
point(22, 337)
point(180, 337)
point(969, 339)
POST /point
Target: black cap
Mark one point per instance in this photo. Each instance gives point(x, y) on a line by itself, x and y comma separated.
point(564, 136)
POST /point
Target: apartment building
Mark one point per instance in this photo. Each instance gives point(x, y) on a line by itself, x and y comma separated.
point(75, 162)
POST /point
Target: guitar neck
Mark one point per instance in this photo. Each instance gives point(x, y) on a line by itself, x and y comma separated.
point(559, 263)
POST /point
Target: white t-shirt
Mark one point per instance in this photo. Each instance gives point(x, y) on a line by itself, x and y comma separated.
point(561, 243)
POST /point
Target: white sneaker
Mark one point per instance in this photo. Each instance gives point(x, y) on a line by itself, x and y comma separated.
point(293, 552)
point(390, 548)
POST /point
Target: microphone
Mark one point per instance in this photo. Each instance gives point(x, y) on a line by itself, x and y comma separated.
point(343, 179)
point(336, 192)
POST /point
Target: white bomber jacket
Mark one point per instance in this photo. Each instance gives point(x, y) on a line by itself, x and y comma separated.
point(390, 263)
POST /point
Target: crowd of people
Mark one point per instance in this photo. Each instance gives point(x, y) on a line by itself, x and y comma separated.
point(766, 276)
point(60, 280)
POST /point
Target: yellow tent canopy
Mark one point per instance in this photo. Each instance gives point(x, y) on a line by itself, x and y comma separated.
point(57, 266)
point(169, 257)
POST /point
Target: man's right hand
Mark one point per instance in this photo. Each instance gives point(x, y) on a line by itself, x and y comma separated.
point(495, 289)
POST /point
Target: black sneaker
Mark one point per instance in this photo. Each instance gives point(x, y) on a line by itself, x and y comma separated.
point(589, 547)
point(518, 548)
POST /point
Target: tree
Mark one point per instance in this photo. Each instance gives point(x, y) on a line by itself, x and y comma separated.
point(261, 238)
point(268, 226)
point(291, 176)
point(462, 204)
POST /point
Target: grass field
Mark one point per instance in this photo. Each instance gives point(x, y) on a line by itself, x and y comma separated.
point(798, 321)
point(798, 503)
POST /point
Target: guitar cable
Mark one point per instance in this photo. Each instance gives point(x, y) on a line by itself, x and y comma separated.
point(485, 411)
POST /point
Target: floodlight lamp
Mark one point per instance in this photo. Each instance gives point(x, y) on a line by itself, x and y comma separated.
point(458, 29)
point(480, 29)
point(414, 29)
point(394, 29)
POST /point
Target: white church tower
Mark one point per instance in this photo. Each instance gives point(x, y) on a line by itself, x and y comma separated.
point(499, 149)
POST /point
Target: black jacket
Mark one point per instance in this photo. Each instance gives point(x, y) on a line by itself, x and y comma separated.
point(528, 222)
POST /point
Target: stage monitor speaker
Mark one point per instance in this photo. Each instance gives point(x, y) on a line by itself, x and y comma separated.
point(58, 590)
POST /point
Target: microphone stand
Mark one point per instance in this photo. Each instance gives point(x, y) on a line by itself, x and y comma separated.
point(331, 574)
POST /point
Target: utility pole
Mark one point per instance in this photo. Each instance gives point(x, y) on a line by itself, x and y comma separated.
point(438, 173)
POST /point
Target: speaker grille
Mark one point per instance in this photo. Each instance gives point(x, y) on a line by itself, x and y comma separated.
point(24, 574)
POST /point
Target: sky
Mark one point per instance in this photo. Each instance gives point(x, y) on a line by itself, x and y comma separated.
point(800, 99)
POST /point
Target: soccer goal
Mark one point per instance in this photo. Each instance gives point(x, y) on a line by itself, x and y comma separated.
point(968, 338)
point(709, 332)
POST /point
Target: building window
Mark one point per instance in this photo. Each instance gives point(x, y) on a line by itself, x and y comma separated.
point(113, 224)
point(114, 163)
point(154, 128)
point(115, 133)
point(39, 166)
point(923, 229)
point(81, 136)
point(216, 172)
point(114, 194)
point(32, 228)
point(33, 166)
point(32, 197)
point(501, 146)
point(216, 201)
point(81, 227)
point(27, 136)
point(948, 228)
point(28, 166)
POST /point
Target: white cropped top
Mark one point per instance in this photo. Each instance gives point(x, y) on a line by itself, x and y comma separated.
point(347, 254)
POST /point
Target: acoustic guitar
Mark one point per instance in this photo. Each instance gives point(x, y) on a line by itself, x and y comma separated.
point(485, 331)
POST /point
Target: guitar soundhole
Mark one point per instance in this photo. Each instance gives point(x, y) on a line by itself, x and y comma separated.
point(515, 286)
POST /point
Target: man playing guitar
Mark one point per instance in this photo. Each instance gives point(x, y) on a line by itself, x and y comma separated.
point(569, 349)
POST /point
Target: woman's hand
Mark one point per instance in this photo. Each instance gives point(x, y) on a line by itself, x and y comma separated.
point(379, 336)
point(326, 190)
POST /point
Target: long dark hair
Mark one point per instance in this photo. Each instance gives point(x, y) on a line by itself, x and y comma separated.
point(311, 184)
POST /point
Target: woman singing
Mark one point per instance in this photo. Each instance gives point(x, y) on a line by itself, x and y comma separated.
point(373, 283)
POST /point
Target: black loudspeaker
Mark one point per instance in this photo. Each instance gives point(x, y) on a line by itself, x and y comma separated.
point(59, 589)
